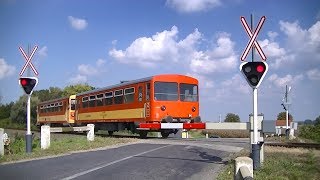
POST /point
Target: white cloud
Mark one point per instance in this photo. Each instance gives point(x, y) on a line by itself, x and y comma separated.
point(204, 81)
point(314, 74)
point(87, 70)
point(237, 84)
point(43, 52)
point(6, 70)
point(300, 49)
point(190, 6)
point(280, 82)
point(272, 35)
point(220, 59)
point(163, 46)
point(302, 42)
point(76, 23)
point(100, 62)
point(78, 79)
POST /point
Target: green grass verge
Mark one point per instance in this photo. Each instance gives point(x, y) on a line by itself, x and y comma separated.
point(16, 150)
point(283, 163)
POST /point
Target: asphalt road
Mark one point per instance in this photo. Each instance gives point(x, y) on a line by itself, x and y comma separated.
point(148, 159)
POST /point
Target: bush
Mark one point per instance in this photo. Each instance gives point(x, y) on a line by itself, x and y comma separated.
point(310, 132)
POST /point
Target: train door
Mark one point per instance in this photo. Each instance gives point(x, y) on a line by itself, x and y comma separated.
point(72, 108)
point(147, 107)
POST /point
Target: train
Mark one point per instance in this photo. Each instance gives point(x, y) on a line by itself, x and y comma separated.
point(164, 98)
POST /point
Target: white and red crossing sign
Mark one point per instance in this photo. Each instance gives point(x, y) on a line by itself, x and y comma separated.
point(28, 61)
point(253, 38)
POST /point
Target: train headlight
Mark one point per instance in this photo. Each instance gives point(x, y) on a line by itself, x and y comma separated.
point(163, 108)
point(194, 109)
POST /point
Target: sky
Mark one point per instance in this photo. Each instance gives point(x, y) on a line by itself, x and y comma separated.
point(104, 42)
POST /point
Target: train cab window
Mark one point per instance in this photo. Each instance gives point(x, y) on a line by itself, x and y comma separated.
point(108, 98)
point(188, 92)
point(129, 95)
point(118, 96)
point(165, 91)
point(148, 92)
point(92, 102)
point(99, 100)
point(73, 104)
point(41, 109)
point(85, 102)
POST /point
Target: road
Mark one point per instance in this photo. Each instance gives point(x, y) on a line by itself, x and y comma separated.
point(147, 159)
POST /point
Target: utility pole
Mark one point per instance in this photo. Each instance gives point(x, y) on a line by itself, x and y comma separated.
point(287, 110)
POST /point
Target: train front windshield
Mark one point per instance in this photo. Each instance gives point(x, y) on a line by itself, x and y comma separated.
point(168, 91)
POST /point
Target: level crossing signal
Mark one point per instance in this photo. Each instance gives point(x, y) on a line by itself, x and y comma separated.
point(254, 72)
point(28, 83)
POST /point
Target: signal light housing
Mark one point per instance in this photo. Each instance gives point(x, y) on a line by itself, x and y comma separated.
point(28, 84)
point(254, 72)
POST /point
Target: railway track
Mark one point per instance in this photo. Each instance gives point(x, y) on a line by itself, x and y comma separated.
point(295, 145)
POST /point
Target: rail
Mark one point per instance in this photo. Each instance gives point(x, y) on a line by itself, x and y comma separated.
point(295, 145)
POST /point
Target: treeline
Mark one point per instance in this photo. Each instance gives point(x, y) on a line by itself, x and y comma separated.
point(15, 112)
point(311, 131)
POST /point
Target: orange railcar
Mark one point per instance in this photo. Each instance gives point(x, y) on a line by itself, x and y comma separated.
point(161, 98)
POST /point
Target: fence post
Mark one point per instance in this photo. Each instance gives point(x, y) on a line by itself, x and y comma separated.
point(90, 133)
point(243, 168)
point(45, 136)
point(1, 142)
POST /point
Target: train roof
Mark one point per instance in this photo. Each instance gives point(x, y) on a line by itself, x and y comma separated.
point(125, 83)
point(53, 100)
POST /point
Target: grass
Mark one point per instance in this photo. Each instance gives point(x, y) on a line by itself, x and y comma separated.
point(282, 163)
point(59, 145)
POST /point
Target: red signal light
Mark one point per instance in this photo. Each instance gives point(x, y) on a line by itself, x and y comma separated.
point(260, 68)
point(23, 82)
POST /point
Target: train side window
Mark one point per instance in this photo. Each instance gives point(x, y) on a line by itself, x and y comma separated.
point(108, 98)
point(60, 106)
point(52, 108)
point(99, 99)
point(45, 107)
point(118, 96)
point(92, 102)
point(147, 91)
point(140, 95)
point(85, 102)
point(129, 95)
point(56, 109)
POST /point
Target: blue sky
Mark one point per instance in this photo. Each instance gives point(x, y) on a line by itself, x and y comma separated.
point(103, 42)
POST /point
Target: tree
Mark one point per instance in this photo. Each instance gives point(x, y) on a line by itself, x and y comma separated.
point(19, 110)
point(308, 122)
point(5, 110)
point(48, 94)
point(282, 116)
point(317, 121)
point(230, 117)
point(75, 89)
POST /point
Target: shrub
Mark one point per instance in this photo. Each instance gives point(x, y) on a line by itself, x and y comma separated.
point(310, 132)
